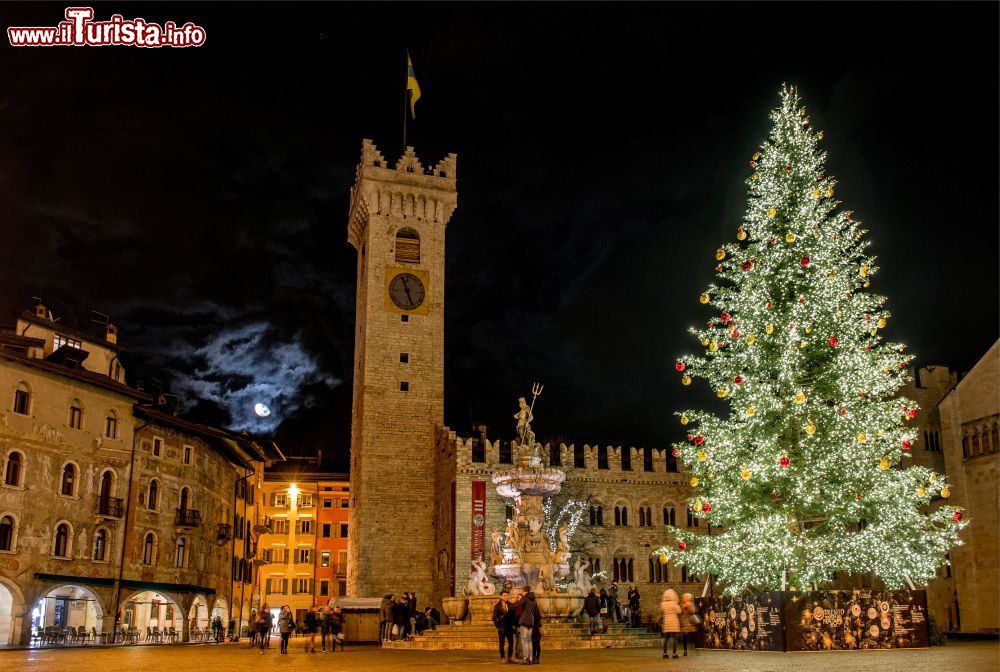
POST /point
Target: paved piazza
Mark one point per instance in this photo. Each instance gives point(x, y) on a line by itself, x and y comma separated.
point(956, 657)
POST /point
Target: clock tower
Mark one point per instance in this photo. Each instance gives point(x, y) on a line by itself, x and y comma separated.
point(397, 223)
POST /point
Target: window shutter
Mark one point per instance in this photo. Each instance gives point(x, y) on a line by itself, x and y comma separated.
point(284, 586)
point(295, 587)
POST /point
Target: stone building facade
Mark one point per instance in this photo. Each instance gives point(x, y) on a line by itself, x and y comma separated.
point(80, 543)
point(970, 423)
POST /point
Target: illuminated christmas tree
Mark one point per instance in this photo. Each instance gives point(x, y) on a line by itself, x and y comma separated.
point(808, 474)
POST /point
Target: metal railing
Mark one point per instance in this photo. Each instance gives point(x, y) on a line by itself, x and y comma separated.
point(187, 518)
point(112, 507)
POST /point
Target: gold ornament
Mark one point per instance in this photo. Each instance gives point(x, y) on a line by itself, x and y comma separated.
point(921, 491)
point(829, 192)
point(713, 347)
point(945, 492)
point(684, 420)
point(862, 437)
point(697, 507)
point(809, 329)
point(702, 456)
point(756, 156)
point(806, 121)
point(803, 345)
point(810, 429)
point(704, 342)
point(663, 558)
point(771, 212)
point(881, 323)
point(815, 193)
point(789, 237)
point(686, 380)
point(704, 298)
point(864, 271)
point(722, 392)
point(840, 314)
point(769, 329)
point(831, 273)
point(751, 339)
point(745, 474)
point(750, 411)
point(932, 478)
point(867, 284)
point(741, 234)
point(720, 254)
point(694, 481)
point(754, 176)
point(800, 398)
point(884, 464)
point(820, 135)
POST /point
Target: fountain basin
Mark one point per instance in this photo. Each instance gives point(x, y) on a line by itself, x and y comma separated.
point(560, 605)
point(526, 480)
point(481, 608)
point(455, 608)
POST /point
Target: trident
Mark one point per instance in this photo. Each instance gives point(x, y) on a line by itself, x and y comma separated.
point(536, 391)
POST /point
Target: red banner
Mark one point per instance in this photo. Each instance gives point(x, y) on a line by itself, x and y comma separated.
point(479, 520)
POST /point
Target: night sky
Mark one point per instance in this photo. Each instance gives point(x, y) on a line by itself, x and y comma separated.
point(199, 196)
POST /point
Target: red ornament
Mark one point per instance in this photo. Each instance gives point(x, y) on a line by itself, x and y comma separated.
point(676, 452)
point(707, 508)
point(868, 348)
point(857, 497)
point(861, 394)
point(690, 437)
point(753, 164)
point(843, 412)
point(681, 545)
point(747, 265)
point(784, 462)
point(913, 413)
point(902, 365)
point(788, 169)
point(736, 333)
point(680, 365)
point(802, 300)
point(711, 324)
point(773, 241)
point(718, 269)
point(725, 318)
point(738, 380)
point(906, 445)
point(698, 440)
point(769, 305)
point(882, 302)
point(822, 177)
point(905, 409)
point(805, 262)
point(957, 516)
point(868, 318)
point(850, 217)
point(833, 341)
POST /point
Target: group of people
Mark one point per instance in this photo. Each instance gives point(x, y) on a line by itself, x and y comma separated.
point(519, 620)
point(680, 619)
point(606, 606)
point(400, 619)
point(327, 620)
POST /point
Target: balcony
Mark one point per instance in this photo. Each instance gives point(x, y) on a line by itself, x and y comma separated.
point(340, 570)
point(187, 518)
point(224, 532)
point(110, 507)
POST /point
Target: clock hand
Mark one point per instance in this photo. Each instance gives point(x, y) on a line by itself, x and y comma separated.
point(406, 286)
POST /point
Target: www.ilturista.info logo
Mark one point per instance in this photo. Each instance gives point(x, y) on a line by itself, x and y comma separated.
point(79, 30)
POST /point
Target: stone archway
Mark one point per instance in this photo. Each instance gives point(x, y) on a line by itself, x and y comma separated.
point(68, 606)
point(11, 613)
point(199, 617)
point(145, 610)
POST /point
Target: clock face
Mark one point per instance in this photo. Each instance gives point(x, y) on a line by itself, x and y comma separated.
point(406, 291)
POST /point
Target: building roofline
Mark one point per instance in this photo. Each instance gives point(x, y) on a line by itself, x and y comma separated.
point(30, 316)
point(83, 375)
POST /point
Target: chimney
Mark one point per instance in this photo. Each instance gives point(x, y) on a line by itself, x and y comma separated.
point(111, 334)
point(41, 311)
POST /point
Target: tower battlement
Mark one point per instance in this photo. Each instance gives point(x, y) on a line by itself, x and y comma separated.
point(407, 190)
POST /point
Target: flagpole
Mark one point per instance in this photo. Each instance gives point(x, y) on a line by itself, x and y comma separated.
point(406, 94)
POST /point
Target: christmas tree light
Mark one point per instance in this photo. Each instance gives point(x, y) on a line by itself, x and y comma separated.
point(804, 477)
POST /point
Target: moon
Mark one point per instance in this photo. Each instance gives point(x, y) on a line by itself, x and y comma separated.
point(261, 410)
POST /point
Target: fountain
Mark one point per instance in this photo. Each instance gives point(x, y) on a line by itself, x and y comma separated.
point(523, 556)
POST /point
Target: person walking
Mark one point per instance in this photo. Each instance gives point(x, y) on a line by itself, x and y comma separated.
point(526, 621)
point(265, 620)
point(253, 629)
point(285, 625)
point(311, 625)
point(633, 605)
point(336, 629)
point(505, 620)
point(323, 617)
point(385, 629)
point(671, 611)
point(689, 620)
point(537, 631)
point(605, 609)
point(592, 605)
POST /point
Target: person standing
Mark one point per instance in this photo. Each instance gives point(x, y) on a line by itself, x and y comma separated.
point(412, 604)
point(633, 605)
point(385, 630)
point(536, 638)
point(312, 624)
point(324, 625)
point(671, 611)
point(606, 609)
point(526, 623)
point(592, 605)
point(505, 618)
point(285, 625)
point(615, 603)
point(689, 620)
point(265, 619)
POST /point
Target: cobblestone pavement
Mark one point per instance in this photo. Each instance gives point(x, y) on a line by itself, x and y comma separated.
point(956, 657)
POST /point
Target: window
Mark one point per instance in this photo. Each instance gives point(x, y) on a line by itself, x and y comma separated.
point(303, 556)
point(669, 516)
point(621, 515)
point(111, 425)
point(62, 541)
point(305, 500)
point(12, 472)
point(404, 386)
point(60, 340)
point(157, 446)
point(100, 545)
point(182, 503)
point(22, 399)
point(324, 559)
point(68, 487)
point(404, 318)
point(625, 516)
point(180, 553)
point(7, 529)
point(327, 503)
point(279, 499)
point(404, 358)
point(343, 530)
point(281, 527)
point(324, 587)
point(153, 498)
point(344, 504)
point(649, 517)
point(75, 414)
point(642, 517)
point(407, 246)
point(149, 549)
point(187, 455)
point(326, 530)
point(303, 585)
point(304, 527)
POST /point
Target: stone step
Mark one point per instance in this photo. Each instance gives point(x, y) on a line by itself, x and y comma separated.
point(548, 643)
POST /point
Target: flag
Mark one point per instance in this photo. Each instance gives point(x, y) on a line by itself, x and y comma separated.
point(411, 85)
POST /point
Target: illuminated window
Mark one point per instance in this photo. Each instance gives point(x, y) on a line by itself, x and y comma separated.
point(100, 545)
